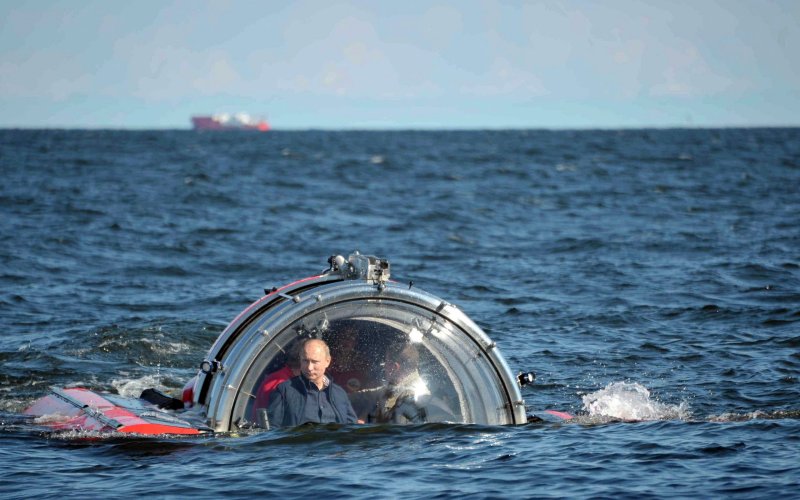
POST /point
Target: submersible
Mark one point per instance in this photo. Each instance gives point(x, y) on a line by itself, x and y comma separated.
point(354, 306)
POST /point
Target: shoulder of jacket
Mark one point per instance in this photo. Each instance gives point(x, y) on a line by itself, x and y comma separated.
point(284, 386)
point(297, 384)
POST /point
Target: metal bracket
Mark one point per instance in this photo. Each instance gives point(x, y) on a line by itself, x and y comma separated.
point(365, 267)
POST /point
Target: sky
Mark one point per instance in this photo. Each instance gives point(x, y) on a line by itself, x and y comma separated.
point(464, 64)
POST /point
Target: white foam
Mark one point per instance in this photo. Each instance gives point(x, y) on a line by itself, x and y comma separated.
point(52, 418)
point(630, 401)
point(160, 346)
point(132, 388)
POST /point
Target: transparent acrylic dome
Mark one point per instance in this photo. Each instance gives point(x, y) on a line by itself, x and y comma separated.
point(456, 370)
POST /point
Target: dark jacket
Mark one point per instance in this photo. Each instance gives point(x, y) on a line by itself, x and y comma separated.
point(288, 401)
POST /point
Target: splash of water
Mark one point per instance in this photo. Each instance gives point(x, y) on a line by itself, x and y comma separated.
point(132, 388)
point(630, 401)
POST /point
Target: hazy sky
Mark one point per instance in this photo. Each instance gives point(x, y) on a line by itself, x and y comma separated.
point(401, 64)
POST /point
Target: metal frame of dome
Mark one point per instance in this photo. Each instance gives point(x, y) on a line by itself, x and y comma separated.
point(359, 286)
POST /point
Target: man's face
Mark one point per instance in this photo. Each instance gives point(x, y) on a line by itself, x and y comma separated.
point(314, 361)
point(391, 371)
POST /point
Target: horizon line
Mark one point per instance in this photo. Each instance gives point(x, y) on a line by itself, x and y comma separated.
point(416, 128)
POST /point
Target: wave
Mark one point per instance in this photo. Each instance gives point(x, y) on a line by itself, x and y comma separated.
point(630, 401)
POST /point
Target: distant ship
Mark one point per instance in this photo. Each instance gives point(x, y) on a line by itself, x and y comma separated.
point(224, 121)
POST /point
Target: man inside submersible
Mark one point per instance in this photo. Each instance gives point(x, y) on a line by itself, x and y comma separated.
point(405, 398)
point(310, 397)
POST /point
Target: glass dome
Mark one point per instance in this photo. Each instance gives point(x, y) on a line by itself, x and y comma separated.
point(381, 334)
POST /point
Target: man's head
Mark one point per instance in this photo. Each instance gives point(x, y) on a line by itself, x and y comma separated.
point(401, 359)
point(314, 360)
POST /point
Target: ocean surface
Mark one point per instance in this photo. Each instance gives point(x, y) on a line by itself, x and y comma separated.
point(650, 278)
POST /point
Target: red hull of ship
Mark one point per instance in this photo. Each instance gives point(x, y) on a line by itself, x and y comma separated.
point(211, 123)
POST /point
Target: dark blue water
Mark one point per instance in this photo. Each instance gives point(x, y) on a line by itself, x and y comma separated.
point(651, 279)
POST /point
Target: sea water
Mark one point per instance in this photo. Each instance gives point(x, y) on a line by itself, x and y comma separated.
point(650, 278)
